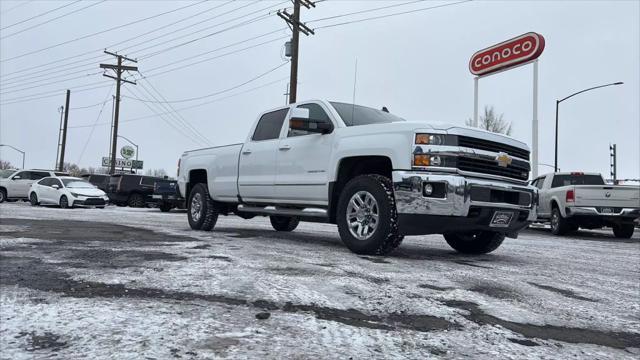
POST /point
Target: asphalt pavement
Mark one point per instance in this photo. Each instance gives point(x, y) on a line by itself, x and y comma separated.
point(138, 283)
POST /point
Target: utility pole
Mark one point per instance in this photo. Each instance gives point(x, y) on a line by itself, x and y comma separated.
point(61, 111)
point(293, 20)
point(119, 69)
point(612, 165)
point(64, 132)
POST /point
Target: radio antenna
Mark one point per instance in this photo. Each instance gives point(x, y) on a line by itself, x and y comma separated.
point(353, 102)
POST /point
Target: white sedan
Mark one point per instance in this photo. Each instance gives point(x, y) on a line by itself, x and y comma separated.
point(67, 192)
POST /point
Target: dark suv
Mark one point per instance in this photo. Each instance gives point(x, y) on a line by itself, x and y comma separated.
point(101, 181)
point(130, 189)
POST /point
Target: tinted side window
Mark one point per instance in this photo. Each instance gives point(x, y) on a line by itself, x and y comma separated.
point(316, 112)
point(269, 125)
point(45, 182)
point(539, 183)
point(56, 182)
point(24, 175)
point(37, 175)
point(148, 181)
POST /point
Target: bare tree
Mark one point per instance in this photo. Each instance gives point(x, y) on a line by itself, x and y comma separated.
point(74, 169)
point(492, 122)
point(5, 165)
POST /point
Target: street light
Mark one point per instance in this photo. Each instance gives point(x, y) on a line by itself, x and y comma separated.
point(555, 167)
point(18, 150)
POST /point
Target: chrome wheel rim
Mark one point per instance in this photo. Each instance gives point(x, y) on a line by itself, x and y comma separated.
point(363, 215)
point(196, 206)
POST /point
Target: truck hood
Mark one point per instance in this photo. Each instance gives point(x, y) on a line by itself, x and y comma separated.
point(419, 126)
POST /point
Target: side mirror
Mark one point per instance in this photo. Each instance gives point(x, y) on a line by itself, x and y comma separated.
point(17, 177)
point(55, 186)
point(300, 121)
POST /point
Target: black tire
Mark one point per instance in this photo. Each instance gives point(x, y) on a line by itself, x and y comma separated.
point(284, 223)
point(33, 199)
point(481, 242)
point(559, 224)
point(623, 231)
point(136, 200)
point(165, 207)
point(64, 202)
point(3, 195)
point(385, 236)
point(99, 207)
point(204, 216)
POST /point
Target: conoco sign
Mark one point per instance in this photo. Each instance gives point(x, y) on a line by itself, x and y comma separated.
point(507, 54)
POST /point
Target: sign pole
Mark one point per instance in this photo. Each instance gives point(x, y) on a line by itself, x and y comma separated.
point(534, 129)
point(475, 101)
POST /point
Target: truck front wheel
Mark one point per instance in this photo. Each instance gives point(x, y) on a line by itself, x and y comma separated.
point(482, 242)
point(201, 210)
point(284, 223)
point(366, 216)
point(624, 231)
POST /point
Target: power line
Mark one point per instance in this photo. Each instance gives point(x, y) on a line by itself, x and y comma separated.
point(106, 100)
point(113, 45)
point(39, 15)
point(17, 6)
point(218, 92)
point(100, 32)
point(88, 106)
point(50, 20)
point(390, 15)
point(364, 11)
point(41, 85)
point(52, 93)
point(194, 106)
point(176, 114)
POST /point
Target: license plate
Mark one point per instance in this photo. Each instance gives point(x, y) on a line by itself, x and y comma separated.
point(607, 210)
point(501, 219)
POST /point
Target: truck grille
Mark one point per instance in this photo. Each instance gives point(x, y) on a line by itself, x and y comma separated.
point(481, 144)
point(517, 170)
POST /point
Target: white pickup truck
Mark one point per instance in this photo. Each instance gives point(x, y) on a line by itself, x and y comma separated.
point(375, 175)
point(580, 200)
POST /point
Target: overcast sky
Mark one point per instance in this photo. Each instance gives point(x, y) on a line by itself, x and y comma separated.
point(415, 64)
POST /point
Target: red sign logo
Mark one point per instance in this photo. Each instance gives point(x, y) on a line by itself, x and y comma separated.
point(507, 54)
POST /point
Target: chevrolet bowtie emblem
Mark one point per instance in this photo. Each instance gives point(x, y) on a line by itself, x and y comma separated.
point(503, 159)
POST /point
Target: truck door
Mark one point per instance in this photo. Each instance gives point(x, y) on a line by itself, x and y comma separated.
point(303, 160)
point(257, 167)
point(544, 200)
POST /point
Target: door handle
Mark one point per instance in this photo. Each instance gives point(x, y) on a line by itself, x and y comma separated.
point(285, 147)
point(246, 152)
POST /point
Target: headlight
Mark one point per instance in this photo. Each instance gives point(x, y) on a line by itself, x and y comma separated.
point(74, 194)
point(430, 139)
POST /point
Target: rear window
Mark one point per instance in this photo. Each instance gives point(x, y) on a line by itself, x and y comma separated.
point(269, 125)
point(148, 181)
point(566, 180)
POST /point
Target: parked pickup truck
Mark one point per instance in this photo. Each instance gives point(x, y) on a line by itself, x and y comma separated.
point(375, 175)
point(573, 200)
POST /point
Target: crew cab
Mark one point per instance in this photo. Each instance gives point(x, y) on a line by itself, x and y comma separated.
point(583, 200)
point(375, 175)
point(16, 186)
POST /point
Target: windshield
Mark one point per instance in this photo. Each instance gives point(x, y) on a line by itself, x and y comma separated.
point(5, 173)
point(354, 115)
point(77, 184)
point(565, 180)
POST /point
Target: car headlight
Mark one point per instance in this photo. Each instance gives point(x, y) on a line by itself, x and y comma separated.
point(74, 194)
point(430, 139)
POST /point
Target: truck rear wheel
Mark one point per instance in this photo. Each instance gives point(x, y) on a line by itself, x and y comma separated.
point(366, 215)
point(136, 200)
point(624, 231)
point(559, 224)
point(201, 210)
point(481, 242)
point(284, 223)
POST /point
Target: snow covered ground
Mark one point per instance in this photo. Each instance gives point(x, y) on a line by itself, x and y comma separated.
point(138, 283)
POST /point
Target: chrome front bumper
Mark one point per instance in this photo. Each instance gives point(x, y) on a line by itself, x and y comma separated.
point(457, 198)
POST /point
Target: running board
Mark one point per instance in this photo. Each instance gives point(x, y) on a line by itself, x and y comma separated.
point(274, 210)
